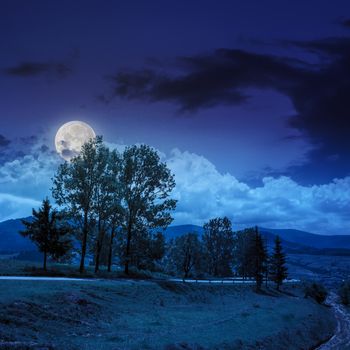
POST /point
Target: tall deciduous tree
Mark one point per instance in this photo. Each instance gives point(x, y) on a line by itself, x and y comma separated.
point(105, 196)
point(116, 210)
point(243, 241)
point(278, 269)
point(48, 231)
point(147, 183)
point(219, 243)
point(186, 253)
point(74, 187)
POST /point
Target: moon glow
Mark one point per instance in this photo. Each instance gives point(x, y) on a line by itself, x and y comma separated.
point(71, 136)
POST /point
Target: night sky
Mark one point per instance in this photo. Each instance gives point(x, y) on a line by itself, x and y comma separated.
point(247, 101)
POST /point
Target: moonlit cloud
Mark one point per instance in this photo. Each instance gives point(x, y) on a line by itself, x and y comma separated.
point(280, 202)
point(25, 179)
point(16, 206)
point(202, 193)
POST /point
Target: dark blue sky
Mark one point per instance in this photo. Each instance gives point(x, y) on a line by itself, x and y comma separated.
point(259, 89)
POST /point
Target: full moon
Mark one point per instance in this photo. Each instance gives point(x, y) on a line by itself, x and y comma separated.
point(70, 138)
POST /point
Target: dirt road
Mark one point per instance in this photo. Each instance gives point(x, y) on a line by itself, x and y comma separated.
point(341, 338)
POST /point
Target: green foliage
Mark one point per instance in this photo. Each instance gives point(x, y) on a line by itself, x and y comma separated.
point(75, 187)
point(218, 244)
point(107, 210)
point(146, 249)
point(108, 193)
point(185, 254)
point(48, 232)
point(316, 291)
point(344, 293)
point(243, 242)
point(147, 183)
point(258, 255)
point(277, 266)
point(251, 257)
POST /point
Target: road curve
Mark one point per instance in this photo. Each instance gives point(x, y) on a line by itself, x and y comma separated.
point(218, 281)
point(34, 278)
point(341, 338)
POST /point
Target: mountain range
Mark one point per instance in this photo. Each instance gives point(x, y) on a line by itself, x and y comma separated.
point(294, 241)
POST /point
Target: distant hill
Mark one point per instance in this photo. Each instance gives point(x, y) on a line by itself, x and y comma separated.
point(11, 240)
point(311, 239)
point(294, 241)
point(179, 230)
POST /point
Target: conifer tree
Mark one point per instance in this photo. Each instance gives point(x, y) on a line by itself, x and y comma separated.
point(259, 259)
point(278, 267)
point(48, 232)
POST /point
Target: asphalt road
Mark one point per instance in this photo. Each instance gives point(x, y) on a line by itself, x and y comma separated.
point(218, 281)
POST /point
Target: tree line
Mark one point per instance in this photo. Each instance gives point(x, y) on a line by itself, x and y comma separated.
point(111, 202)
point(114, 205)
point(220, 252)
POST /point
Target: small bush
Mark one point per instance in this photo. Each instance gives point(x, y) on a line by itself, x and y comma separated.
point(316, 291)
point(344, 293)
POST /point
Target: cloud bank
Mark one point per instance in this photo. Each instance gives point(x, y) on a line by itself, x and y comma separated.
point(202, 193)
point(280, 202)
point(26, 168)
point(318, 91)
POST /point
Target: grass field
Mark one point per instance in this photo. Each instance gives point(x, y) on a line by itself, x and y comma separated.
point(128, 314)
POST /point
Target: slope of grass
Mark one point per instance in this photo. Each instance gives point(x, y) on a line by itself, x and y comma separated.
point(14, 267)
point(129, 314)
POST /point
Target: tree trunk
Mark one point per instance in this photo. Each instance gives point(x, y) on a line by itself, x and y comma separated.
point(97, 257)
point(83, 246)
point(110, 251)
point(98, 250)
point(98, 246)
point(127, 255)
point(45, 258)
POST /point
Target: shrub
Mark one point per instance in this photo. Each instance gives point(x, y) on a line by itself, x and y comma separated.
point(344, 293)
point(316, 291)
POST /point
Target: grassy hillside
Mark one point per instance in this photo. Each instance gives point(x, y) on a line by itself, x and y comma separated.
point(156, 315)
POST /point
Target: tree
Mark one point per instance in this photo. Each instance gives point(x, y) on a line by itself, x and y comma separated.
point(147, 183)
point(74, 187)
point(158, 246)
point(243, 242)
point(186, 253)
point(48, 232)
point(278, 269)
point(219, 243)
point(258, 256)
point(116, 214)
point(146, 248)
point(315, 290)
point(106, 200)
